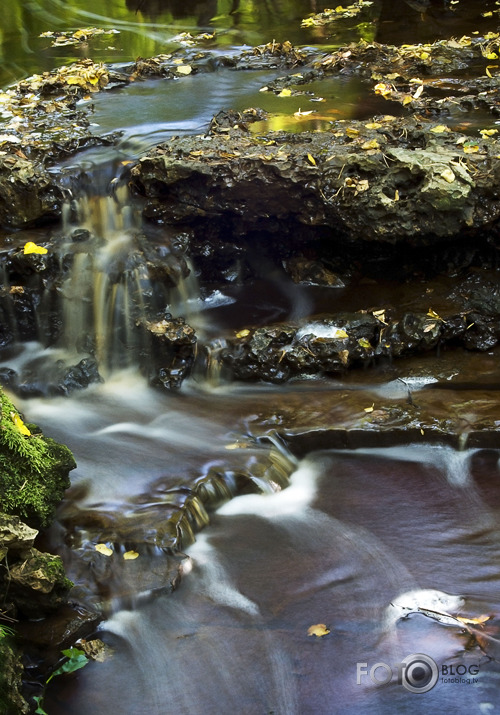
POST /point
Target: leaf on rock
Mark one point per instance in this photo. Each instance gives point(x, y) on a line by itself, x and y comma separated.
point(31, 247)
point(103, 549)
point(19, 424)
point(130, 555)
point(473, 621)
point(369, 409)
point(318, 630)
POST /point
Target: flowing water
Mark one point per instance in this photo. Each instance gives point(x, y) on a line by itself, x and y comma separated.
point(383, 546)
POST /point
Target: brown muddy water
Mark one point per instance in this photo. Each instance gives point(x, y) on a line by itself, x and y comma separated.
point(385, 546)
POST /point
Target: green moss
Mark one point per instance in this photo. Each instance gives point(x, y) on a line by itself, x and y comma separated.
point(11, 701)
point(33, 469)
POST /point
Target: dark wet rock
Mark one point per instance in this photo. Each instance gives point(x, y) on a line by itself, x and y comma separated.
point(28, 193)
point(170, 352)
point(397, 182)
point(308, 272)
point(226, 120)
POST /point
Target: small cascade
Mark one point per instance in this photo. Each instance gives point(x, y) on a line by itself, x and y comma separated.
point(120, 285)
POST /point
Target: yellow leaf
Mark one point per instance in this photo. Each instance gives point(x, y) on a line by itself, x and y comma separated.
point(470, 148)
point(396, 195)
point(407, 99)
point(318, 630)
point(103, 549)
point(380, 315)
point(311, 159)
point(373, 125)
point(369, 409)
point(243, 333)
point(488, 132)
point(439, 129)
point(130, 555)
point(473, 621)
point(352, 132)
point(285, 92)
point(422, 432)
point(31, 247)
point(364, 343)
point(184, 69)
point(372, 144)
point(424, 55)
point(19, 424)
point(339, 333)
point(432, 314)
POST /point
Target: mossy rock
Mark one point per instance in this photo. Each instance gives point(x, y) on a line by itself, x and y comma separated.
point(11, 671)
point(34, 470)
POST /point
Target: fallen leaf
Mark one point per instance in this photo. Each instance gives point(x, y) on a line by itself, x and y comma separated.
point(418, 91)
point(473, 621)
point(184, 69)
point(369, 409)
point(285, 92)
point(371, 144)
point(318, 630)
point(439, 129)
point(103, 549)
point(432, 314)
point(243, 333)
point(364, 343)
point(130, 555)
point(311, 159)
point(19, 424)
point(31, 247)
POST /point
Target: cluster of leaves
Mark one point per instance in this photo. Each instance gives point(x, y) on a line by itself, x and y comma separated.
point(188, 40)
point(61, 39)
point(332, 15)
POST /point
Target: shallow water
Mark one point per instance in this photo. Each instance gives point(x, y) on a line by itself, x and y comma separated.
point(354, 533)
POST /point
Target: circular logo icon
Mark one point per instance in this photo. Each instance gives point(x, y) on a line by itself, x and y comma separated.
point(420, 673)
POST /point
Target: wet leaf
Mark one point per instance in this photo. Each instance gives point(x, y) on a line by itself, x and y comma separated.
point(11, 138)
point(19, 424)
point(488, 132)
point(300, 113)
point(369, 409)
point(474, 621)
point(352, 132)
point(339, 333)
point(440, 129)
point(470, 148)
point(130, 555)
point(285, 92)
point(373, 125)
point(371, 144)
point(380, 315)
point(103, 549)
point(429, 327)
point(31, 247)
point(311, 159)
point(318, 630)
point(243, 333)
point(432, 314)
point(364, 343)
point(184, 69)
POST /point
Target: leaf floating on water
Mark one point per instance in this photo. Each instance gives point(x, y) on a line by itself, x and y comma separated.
point(103, 549)
point(473, 621)
point(31, 247)
point(318, 630)
point(19, 424)
point(130, 555)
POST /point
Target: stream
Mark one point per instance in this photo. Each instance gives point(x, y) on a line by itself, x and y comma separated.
point(385, 546)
